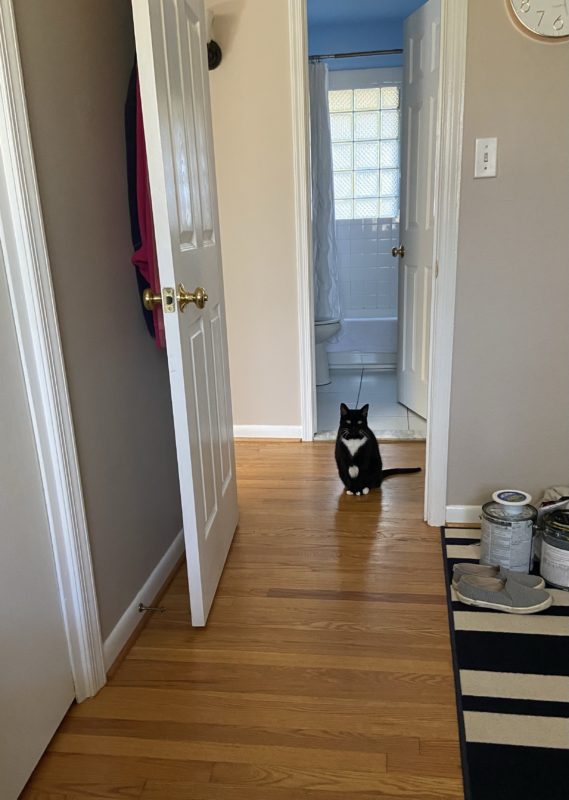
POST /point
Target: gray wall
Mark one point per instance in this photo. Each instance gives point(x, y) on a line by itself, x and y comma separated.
point(510, 387)
point(77, 56)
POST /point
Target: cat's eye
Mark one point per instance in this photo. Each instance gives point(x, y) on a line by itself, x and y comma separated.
point(359, 422)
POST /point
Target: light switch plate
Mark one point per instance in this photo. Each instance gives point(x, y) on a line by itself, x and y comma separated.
point(486, 162)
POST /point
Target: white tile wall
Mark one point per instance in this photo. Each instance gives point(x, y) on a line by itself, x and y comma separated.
point(368, 271)
point(368, 286)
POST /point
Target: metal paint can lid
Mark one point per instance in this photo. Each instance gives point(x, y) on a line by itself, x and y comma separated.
point(556, 524)
point(508, 515)
point(511, 498)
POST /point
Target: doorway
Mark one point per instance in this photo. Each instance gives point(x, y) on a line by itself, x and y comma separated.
point(373, 113)
point(436, 354)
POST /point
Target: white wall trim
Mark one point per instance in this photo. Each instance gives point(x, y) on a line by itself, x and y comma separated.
point(468, 515)
point(454, 17)
point(126, 625)
point(302, 194)
point(32, 300)
point(268, 432)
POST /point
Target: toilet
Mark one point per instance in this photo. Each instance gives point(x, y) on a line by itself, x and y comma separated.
point(324, 330)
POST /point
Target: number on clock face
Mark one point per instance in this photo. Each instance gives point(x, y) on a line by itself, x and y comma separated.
point(548, 18)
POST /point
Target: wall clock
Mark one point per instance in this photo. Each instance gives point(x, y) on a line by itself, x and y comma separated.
point(544, 19)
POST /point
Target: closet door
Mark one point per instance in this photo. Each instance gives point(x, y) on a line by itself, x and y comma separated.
point(36, 685)
point(172, 62)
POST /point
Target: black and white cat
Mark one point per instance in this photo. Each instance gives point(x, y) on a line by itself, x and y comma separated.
point(357, 453)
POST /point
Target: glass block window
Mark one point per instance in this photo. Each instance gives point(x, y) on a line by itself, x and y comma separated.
point(365, 125)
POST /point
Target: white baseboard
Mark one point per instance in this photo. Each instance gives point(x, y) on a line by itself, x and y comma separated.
point(124, 628)
point(267, 431)
point(468, 515)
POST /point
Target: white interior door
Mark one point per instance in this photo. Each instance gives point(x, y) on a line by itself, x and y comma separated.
point(419, 115)
point(36, 685)
point(172, 62)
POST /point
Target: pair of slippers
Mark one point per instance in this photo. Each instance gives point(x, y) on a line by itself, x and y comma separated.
point(500, 589)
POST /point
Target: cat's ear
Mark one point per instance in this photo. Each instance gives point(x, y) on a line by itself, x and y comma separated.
point(343, 409)
point(364, 411)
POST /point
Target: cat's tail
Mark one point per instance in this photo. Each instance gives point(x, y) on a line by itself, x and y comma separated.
point(387, 473)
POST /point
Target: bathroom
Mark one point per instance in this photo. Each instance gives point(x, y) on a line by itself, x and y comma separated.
point(356, 188)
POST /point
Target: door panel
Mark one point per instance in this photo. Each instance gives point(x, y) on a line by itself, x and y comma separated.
point(420, 97)
point(36, 685)
point(177, 120)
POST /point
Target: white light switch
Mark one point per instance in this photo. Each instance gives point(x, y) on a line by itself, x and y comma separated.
point(486, 158)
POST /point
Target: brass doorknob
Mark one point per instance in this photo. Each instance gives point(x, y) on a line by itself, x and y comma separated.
point(151, 300)
point(398, 251)
point(199, 297)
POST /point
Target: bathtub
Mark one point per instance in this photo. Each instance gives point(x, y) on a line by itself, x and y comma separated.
point(366, 341)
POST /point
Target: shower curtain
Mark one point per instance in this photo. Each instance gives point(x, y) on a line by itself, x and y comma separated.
point(324, 254)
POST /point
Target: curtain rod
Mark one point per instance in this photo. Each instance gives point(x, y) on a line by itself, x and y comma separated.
point(361, 54)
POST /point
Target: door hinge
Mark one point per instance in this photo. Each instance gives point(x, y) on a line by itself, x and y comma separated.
point(436, 269)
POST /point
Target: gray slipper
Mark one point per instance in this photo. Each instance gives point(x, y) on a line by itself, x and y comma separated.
point(485, 570)
point(508, 595)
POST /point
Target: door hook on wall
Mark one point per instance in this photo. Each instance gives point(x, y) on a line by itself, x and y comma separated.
point(214, 55)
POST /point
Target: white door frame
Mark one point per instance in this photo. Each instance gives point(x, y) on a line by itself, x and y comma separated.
point(26, 259)
point(298, 39)
point(454, 15)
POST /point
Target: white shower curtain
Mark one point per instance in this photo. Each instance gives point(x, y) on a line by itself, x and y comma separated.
point(324, 253)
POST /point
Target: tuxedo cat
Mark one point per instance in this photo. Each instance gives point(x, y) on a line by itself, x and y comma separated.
point(357, 453)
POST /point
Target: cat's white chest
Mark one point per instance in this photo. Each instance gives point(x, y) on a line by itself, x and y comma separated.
point(354, 445)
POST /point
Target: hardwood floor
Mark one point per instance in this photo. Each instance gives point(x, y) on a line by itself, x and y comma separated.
point(324, 672)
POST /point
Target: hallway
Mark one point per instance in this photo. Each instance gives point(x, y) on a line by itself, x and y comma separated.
point(324, 672)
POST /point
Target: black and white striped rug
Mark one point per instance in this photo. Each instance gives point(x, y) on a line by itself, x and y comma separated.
point(512, 686)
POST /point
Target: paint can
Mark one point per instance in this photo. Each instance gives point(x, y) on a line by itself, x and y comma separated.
point(507, 530)
point(552, 501)
point(554, 564)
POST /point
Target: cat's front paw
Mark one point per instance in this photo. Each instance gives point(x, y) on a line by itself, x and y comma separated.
point(365, 491)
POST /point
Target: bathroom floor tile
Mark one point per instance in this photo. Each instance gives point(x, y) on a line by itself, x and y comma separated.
point(379, 423)
point(344, 380)
point(379, 408)
point(381, 384)
point(328, 409)
point(376, 387)
point(379, 389)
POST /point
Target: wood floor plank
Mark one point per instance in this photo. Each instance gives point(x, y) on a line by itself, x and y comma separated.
point(138, 746)
point(287, 659)
point(110, 776)
point(41, 794)
point(343, 741)
point(350, 782)
point(356, 685)
point(430, 720)
point(324, 672)
point(158, 790)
